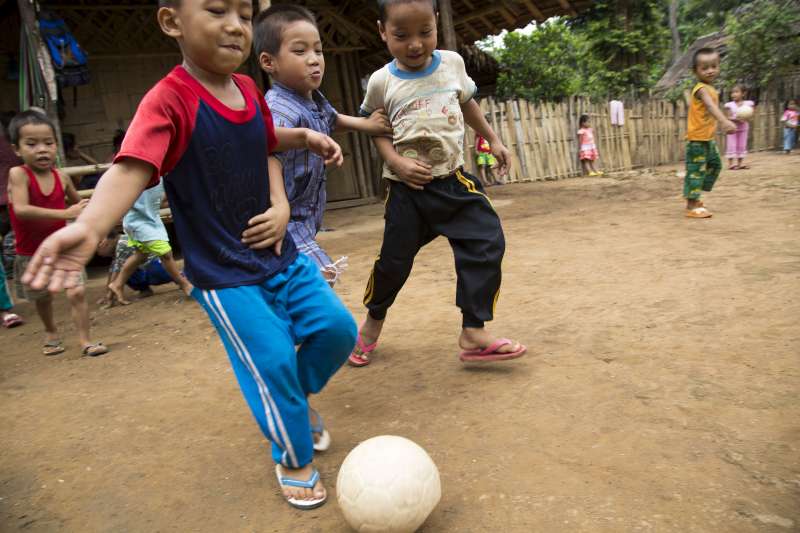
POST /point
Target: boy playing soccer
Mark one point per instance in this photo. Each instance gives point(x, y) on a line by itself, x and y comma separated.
point(37, 208)
point(208, 132)
point(289, 48)
point(428, 97)
point(703, 163)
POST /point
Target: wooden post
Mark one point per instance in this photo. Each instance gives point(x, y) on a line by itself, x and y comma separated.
point(27, 14)
point(448, 40)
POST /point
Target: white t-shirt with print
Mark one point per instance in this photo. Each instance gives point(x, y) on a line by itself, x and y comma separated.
point(424, 108)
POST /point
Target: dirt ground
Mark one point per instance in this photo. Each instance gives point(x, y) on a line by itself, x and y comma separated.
point(661, 391)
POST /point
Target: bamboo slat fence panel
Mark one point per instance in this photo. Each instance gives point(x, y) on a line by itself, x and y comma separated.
point(543, 136)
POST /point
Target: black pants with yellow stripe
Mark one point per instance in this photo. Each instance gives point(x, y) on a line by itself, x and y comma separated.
point(457, 208)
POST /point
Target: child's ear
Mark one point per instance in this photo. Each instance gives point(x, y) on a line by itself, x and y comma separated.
point(169, 22)
point(267, 62)
point(382, 30)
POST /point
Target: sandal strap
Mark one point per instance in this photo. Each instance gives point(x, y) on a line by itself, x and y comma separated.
point(290, 482)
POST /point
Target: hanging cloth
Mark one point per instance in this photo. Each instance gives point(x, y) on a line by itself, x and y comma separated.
point(617, 111)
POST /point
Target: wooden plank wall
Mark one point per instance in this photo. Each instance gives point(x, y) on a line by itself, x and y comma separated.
point(543, 136)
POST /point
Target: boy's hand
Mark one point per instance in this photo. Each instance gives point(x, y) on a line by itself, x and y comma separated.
point(378, 124)
point(503, 156)
point(76, 209)
point(325, 147)
point(268, 228)
point(728, 126)
point(60, 259)
point(412, 172)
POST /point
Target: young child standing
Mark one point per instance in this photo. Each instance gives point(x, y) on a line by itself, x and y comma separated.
point(37, 209)
point(790, 125)
point(208, 132)
point(148, 236)
point(587, 151)
point(429, 96)
point(289, 49)
point(736, 142)
point(703, 163)
point(486, 161)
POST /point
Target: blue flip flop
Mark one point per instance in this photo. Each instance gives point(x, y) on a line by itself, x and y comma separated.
point(304, 505)
point(324, 441)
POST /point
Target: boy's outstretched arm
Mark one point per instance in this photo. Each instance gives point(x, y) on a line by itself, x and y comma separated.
point(299, 138)
point(376, 124)
point(60, 259)
point(412, 172)
point(727, 125)
point(474, 118)
point(269, 228)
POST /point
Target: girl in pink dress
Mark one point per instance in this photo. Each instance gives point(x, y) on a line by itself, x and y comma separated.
point(736, 143)
point(587, 153)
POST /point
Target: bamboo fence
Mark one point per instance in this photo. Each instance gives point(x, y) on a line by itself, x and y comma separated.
point(543, 136)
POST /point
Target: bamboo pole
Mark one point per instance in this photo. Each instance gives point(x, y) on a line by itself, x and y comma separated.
point(448, 27)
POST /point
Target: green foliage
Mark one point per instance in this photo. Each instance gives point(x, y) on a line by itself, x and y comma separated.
point(545, 65)
point(701, 17)
point(629, 39)
point(763, 41)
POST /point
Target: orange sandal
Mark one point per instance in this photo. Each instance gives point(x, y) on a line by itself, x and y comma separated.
point(698, 212)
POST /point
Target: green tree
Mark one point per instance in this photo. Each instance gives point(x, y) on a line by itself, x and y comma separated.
point(544, 65)
point(701, 17)
point(630, 39)
point(764, 41)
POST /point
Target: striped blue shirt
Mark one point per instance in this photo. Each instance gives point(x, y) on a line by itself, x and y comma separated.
point(303, 171)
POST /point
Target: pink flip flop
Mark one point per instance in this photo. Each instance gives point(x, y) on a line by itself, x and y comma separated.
point(12, 320)
point(490, 353)
point(360, 354)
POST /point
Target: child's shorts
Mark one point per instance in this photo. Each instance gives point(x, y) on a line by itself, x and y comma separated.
point(26, 293)
point(155, 248)
point(588, 152)
point(485, 159)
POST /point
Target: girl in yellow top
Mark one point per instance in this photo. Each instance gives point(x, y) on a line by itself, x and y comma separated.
point(703, 163)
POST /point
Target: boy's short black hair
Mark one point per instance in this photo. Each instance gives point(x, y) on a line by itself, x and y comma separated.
point(169, 3)
point(383, 4)
point(31, 117)
point(269, 25)
point(702, 52)
point(583, 118)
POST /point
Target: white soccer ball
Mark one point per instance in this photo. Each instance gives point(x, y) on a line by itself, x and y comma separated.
point(387, 484)
point(744, 113)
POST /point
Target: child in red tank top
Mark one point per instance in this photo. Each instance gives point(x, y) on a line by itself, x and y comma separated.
point(37, 208)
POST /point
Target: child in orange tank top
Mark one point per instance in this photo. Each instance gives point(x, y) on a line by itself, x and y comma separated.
point(703, 163)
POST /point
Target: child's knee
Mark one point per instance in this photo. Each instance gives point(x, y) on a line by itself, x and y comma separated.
point(339, 326)
point(76, 294)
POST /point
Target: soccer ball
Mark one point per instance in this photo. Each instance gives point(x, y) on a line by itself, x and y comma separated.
point(744, 113)
point(387, 484)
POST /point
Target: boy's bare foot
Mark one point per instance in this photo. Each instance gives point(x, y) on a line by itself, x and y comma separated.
point(187, 288)
point(118, 294)
point(301, 474)
point(477, 339)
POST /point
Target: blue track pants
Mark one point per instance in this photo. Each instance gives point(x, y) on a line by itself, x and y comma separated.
point(260, 325)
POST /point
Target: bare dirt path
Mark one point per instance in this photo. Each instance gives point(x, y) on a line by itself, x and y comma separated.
point(661, 392)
